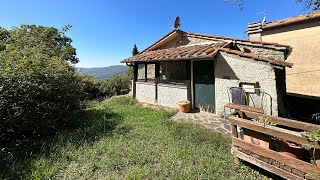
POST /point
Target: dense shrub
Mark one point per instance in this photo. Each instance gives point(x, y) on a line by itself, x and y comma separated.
point(117, 84)
point(92, 88)
point(39, 90)
point(36, 94)
point(114, 84)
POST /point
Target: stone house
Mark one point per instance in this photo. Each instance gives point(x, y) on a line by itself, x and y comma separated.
point(199, 68)
point(302, 33)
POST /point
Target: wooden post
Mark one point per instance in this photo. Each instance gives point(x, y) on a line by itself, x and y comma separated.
point(188, 81)
point(145, 72)
point(135, 78)
point(157, 79)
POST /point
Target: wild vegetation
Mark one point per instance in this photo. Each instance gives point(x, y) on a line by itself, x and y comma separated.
point(117, 139)
point(40, 91)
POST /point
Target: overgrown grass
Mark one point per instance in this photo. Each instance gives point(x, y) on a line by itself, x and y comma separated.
point(118, 139)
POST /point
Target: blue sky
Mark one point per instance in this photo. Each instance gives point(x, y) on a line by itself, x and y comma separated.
point(104, 32)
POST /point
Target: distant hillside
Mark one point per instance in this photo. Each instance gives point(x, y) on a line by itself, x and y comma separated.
point(103, 72)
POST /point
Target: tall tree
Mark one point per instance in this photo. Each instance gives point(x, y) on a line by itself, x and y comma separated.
point(31, 40)
point(135, 50)
point(314, 4)
point(130, 72)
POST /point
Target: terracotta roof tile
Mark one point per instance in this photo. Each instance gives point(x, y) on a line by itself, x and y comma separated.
point(183, 52)
point(253, 56)
point(292, 20)
point(234, 39)
point(197, 51)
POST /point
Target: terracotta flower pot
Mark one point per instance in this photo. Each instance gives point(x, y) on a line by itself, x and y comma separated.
point(291, 149)
point(256, 138)
point(184, 106)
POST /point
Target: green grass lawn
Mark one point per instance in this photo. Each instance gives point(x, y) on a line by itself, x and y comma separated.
point(118, 139)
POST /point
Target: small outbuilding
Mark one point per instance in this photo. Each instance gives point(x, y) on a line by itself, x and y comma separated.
point(200, 68)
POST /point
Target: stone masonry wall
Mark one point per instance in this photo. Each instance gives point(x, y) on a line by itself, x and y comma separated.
point(145, 92)
point(185, 40)
point(231, 70)
point(264, 52)
point(170, 95)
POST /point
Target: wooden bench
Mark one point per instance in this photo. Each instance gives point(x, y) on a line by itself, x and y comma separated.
point(271, 159)
point(239, 107)
point(244, 108)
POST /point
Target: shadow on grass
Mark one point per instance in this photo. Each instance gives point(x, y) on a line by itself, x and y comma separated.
point(16, 158)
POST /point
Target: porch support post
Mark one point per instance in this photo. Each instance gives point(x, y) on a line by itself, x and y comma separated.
point(157, 79)
point(145, 72)
point(135, 78)
point(188, 81)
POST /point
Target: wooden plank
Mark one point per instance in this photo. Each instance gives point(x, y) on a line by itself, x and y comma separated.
point(244, 107)
point(234, 131)
point(298, 164)
point(266, 166)
point(284, 121)
point(272, 131)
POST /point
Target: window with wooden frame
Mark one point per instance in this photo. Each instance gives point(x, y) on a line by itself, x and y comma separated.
point(146, 72)
point(173, 72)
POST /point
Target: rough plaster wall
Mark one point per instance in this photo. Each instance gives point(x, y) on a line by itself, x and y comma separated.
point(145, 92)
point(264, 52)
point(185, 40)
point(151, 71)
point(243, 70)
point(171, 95)
point(304, 39)
point(141, 71)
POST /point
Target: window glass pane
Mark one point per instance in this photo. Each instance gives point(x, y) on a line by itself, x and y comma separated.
point(173, 72)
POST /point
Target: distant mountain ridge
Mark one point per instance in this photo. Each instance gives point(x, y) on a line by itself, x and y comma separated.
point(101, 73)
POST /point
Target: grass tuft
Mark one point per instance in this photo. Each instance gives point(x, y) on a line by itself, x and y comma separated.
point(119, 139)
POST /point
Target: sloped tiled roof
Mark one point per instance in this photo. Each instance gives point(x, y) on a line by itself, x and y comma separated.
point(293, 20)
point(200, 51)
point(209, 36)
point(197, 52)
point(235, 39)
point(183, 52)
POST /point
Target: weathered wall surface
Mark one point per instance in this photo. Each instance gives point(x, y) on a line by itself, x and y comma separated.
point(264, 52)
point(141, 71)
point(185, 40)
point(304, 77)
point(145, 92)
point(169, 95)
point(231, 70)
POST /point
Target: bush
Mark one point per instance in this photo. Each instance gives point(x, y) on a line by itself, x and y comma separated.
point(92, 88)
point(113, 85)
point(36, 94)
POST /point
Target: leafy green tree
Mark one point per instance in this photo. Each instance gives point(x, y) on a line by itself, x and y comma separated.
point(26, 40)
point(39, 90)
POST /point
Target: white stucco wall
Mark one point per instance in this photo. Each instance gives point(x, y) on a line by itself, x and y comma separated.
point(145, 92)
point(240, 69)
point(170, 95)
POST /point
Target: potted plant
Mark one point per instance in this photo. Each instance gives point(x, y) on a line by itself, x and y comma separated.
point(291, 149)
point(184, 106)
point(257, 138)
point(314, 137)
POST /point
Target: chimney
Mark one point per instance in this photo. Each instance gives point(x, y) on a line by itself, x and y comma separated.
point(254, 31)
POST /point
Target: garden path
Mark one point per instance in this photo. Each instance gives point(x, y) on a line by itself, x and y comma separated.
point(205, 119)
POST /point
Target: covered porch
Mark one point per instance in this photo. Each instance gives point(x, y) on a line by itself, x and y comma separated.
point(168, 82)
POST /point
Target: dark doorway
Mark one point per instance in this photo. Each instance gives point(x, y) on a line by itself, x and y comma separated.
point(204, 89)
